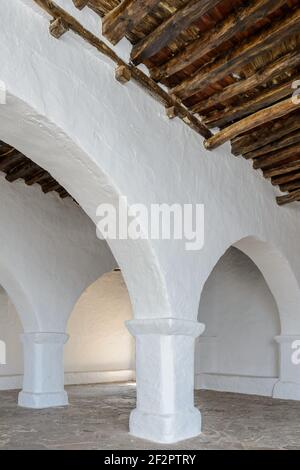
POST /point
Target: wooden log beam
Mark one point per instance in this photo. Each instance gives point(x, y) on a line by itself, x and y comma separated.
point(237, 22)
point(170, 29)
point(80, 4)
point(10, 159)
point(269, 114)
point(271, 71)
point(288, 198)
point(57, 28)
point(124, 17)
point(36, 176)
point(265, 135)
point(282, 170)
point(240, 56)
point(51, 186)
point(20, 171)
point(138, 76)
point(122, 74)
point(277, 157)
point(287, 178)
point(290, 139)
point(291, 186)
point(221, 118)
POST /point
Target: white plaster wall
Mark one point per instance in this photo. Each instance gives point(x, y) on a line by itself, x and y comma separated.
point(49, 254)
point(241, 319)
point(117, 140)
point(99, 349)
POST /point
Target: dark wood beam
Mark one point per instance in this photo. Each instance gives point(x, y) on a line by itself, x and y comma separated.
point(282, 170)
point(263, 75)
point(282, 179)
point(267, 134)
point(170, 29)
point(36, 176)
point(276, 157)
point(264, 99)
point(288, 198)
point(239, 56)
point(126, 16)
point(290, 186)
point(290, 139)
point(237, 22)
point(250, 122)
point(9, 159)
point(137, 75)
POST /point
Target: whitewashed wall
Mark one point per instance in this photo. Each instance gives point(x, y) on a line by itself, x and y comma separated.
point(100, 349)
point(237, 351)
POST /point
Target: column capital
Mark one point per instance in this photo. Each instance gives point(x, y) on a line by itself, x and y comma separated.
point(44, 338)
point(165, 326)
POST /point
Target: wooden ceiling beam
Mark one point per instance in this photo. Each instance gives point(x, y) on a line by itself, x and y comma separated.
point(267, 134)
point(282, 170)
point(290, 139)
point(290, 186)
point(233, 61)
point(282, 179)
point(238, 21)
point(170, 29)
point(250, 122)
point(288, 198)
point(262, 100)
point(276, 157)
point(11, 158)
point(20, 171)
point(126, 16)
point(263, 75)
point(138, 75)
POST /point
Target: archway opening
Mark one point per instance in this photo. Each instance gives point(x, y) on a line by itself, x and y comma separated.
point(100, 349)
point(237, 352)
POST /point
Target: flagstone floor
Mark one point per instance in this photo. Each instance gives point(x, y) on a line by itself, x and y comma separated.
point(97, 418)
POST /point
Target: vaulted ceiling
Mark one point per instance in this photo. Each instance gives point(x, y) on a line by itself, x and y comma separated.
point(229, 65)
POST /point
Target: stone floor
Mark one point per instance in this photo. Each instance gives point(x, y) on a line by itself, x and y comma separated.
point(97, 418)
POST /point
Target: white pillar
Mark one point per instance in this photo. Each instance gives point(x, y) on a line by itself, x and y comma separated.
point(288, 386)
point(43, 382)
point(165, 409)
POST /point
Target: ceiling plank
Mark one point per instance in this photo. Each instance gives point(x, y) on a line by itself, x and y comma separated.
point(290, 186)
point(170, 28)
point(271, 71)
point(277, 157)
point(267, 98)
point(124, 17)
point(250, 122)
point(237, 22)
point(290, 139)
point(282, 170)
point(265, 135)
point(279, 180)
point(288, 198)
point(240, 56)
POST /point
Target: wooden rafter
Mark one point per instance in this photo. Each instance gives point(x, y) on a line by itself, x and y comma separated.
point(238, 21)
point(170, 28)
point(240, 56)
point(125, 16)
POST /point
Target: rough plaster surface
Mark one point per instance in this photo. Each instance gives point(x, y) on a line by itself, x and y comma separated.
point(98, 155)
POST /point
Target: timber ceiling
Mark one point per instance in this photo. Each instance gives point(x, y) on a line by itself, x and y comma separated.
point(229, 65)
point(232, 63)
point(16, 166)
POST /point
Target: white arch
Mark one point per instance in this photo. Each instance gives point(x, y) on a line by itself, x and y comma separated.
point(19, 298)
point(278, 275)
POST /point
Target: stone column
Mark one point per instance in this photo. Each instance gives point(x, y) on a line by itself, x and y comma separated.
point(288, 386)
point(165, 409)
point(43, 382)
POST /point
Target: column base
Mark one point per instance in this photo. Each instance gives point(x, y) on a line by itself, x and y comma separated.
point(287, 390)
point(42, 400)
point(165, 429)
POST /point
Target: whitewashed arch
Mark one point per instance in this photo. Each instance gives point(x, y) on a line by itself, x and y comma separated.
point(279, 277)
